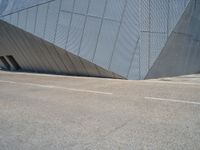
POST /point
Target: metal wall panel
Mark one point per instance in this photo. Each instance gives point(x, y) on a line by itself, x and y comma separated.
point(91, 68)
point(80, 68)
point(176, 9)
point(97, 7)
point(127, 40)
point(9, 44)
point(12, 6)
point(7, 18)
point(105, 73)
point(144, 54)
point(176, 59)
point(159, 15)
point(7, 7)
point(52, 19)
point(145, 15)
point(66, 61)
point(110, 42)
point(55, 61)
point(41, 20)
point(3, 5)
point(5, 50)
point(20, 43)
point(32, 52)
point(106, 43)
point(134, 72)
point(43, 55)
point(183, 27)
point(75, 33)
point(186, 2)
point(67, 5)
point(90, 37)
point(22, 19)
point(158, 41)
point(114, 9)
point(14, 19)
point(31, 19)
point(81, 6)
point(62, 29)
point(19, 4)
point(180, 56)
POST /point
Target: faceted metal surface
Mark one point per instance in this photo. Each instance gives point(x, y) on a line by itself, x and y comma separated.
point(181, 53)
point(125, 37)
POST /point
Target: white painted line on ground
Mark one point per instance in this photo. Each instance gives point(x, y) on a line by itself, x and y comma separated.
point(56, 87)
point(37, 74)
point(172, 82)
point(172, 100)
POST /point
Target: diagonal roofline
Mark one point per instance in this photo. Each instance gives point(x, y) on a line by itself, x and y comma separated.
point(16, 11)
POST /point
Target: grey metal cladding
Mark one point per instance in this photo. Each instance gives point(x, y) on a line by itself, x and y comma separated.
point(77, 62)
point(159, 15)
point(180, 55)
point(81, 6)
point(90, 37)
point(144, 54)
point(115, 9)
point(144, 15)
point(3, 5)
point(134, 70)
point(55, 62)
point(75, 33)
point(41, 20)
point(12, 6)
point(66, 60)
point(14, 19)
point(106, 43)
point(31, 19)
point(51, 21)
point(22, 18)
point(67, 5)
point(124, 37)
point(7, 18)
point(42, 56)
point(127, 41)
point(97, 8)
point(157, 41)
point(6, 6)
point(91, 68)
point(21, 45)
point(62, 29)
point(176, 9)
point(8, 44)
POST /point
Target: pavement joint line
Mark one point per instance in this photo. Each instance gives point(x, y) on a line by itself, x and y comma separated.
point(171, 82)
point(56, 76)
point(57, 87)
point(172, 100)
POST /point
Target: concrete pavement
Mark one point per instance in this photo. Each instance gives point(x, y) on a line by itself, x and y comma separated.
point(56, 112)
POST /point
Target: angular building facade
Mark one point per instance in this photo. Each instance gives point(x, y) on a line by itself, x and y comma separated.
point(129, 39)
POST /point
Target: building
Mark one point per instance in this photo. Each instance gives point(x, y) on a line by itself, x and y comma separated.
point(130, 39)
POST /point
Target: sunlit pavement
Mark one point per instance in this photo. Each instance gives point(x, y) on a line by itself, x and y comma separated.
point(50, 112)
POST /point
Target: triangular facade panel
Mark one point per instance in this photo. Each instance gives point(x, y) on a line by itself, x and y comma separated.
point(122, 37)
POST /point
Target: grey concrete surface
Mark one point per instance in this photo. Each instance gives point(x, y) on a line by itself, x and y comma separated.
point(55, 113)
